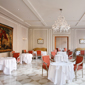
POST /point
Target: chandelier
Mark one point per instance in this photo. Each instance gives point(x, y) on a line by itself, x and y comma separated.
point(61, 24)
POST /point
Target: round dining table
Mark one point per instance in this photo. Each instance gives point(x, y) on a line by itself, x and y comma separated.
point(8, 64)
point(59, 72)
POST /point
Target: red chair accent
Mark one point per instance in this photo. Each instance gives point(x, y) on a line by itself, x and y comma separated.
point(70, 55)
point(68, 51)
point(78, 65)
point(45, 63)
point(39, 53)
point(13, 53)
point(55, 51)
point(23, 51)
point(82, 52)
point(65, 49)
point(31, 52)
point(58, 49)
point(52, 55)
point(16, 55)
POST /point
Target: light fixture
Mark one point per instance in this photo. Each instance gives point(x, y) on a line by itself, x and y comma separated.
point(61, 24)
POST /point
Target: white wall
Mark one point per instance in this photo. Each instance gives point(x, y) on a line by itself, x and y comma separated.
point(19, 32)
point(37, 32)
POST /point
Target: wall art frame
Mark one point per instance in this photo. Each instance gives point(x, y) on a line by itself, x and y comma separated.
point(40, 41)
point(82, 41)
point(6, 38)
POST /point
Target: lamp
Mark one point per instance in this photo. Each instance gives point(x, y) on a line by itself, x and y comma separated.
point(61, 24)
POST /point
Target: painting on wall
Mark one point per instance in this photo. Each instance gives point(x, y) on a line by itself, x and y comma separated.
point(82, 41)
point(6, 38)
point(40, 41)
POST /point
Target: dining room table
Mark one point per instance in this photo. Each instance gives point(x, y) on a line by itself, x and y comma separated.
point(60, 72)
point(8, 64)
point(26, 57)
point(61, 57)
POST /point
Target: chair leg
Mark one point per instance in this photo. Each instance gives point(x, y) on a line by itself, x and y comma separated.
point(82, 73)
point(47, 72)
point(76, 75)
point(42, 71)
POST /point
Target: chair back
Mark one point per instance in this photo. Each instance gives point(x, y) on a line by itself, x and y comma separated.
point(30, 51)
point(46, 59)
point(38, 52)
point(65, 49)
point(12, 53)
point(55, 51)
point(52, 55)
point(16, 55)
point(82, 52)
point(70, 55)
point(79, 59)
point(68, 51)
point(23, 51)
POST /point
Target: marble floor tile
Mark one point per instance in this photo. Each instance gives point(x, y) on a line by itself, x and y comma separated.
point(31, 74)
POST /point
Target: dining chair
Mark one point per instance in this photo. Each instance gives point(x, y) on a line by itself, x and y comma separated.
point(82, 52)
point(13, 53)
point(70, 55)
point(39, 54)
point(31, 52)
point(16, 55)
point(78, 65)
point(55, 51)
point(53, 55)
point(68, 51)
point(65, 49)
point(23, 51)
point(58, 49)
point(45, 63)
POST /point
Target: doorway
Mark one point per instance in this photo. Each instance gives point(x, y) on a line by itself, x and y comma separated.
point(62, 42)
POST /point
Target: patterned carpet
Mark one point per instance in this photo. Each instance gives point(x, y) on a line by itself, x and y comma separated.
point(32, 75)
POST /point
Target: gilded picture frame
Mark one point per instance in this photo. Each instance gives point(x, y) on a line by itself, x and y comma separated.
point(40, 41)
point(82, 41)
point(6, 38)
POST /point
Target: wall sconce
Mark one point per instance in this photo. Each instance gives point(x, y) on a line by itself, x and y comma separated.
point(24, 39)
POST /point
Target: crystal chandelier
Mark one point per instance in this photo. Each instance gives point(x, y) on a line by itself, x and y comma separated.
point(61, 24)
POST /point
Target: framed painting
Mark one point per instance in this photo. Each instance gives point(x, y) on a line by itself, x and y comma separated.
point(6, 38)
point(82, 41)
point(40, 41)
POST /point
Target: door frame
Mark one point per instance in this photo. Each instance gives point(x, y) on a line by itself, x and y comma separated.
point(62, 37)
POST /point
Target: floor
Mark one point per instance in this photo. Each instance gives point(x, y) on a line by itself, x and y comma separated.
point(32, 75)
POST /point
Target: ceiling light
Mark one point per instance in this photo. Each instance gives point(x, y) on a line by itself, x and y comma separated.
point(61, 24)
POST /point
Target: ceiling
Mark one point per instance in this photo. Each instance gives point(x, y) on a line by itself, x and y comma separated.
point(44, 12)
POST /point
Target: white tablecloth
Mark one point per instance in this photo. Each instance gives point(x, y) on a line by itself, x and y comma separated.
point(26, 57)
point(77, 52)
point(8, 64)
point(61, 56)
point(59, 72)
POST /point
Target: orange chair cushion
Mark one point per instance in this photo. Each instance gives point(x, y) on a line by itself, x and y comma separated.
point(79, 67)
point(79, 59)
point(70, 53)
point(16, 55)
point(82, 52)
point(46, 59)
point(44, 66)
point(52, 55)
point(18, 60)
point(70, 57)
point(65, 49)
point(55, 51)
point(30, 52)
